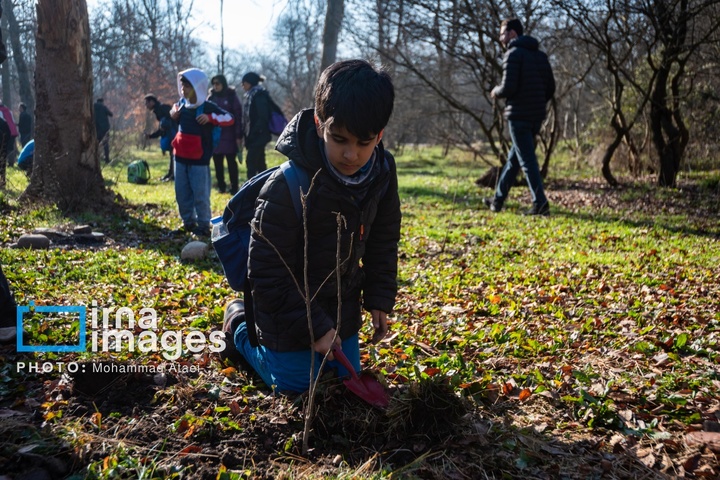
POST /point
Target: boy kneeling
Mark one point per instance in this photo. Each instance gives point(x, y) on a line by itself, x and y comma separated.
point(340, 141)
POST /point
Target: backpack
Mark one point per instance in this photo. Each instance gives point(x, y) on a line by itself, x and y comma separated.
point(277, 122)
point(233, 248)
point(25, 159)
point(138, 172)
point(216, 130)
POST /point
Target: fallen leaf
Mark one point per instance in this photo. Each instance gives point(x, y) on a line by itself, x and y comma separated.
point(692, 462)
point(96, 419)
point(190, 449)
point(524, 394)
point(235, 408)
point(700, 439)
point(183, 426)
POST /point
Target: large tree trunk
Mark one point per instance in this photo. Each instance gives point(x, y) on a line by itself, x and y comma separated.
point(23, 71)
point(66, 168)
point(331, 31)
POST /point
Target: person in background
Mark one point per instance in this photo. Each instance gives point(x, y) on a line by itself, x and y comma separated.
point(8, 134)
point(25, 159)
point(193, 147)
point(231, 137)
point(166, 131)
point(256, 115)
point(25, 122)
point(102, 126)
point(339, 144)
point(527, 85)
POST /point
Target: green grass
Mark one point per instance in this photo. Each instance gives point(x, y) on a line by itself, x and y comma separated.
point(579, 305)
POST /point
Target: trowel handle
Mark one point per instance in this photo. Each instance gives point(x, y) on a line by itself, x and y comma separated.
point(340, 357)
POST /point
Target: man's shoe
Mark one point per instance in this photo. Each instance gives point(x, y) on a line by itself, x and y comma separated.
point(492, 205)
point(167, 178)
point(231, 321)
point(544, 210)
point(201, 231)
point(185, 228)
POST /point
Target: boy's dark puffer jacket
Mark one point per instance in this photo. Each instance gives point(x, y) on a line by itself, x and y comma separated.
point(370, 233)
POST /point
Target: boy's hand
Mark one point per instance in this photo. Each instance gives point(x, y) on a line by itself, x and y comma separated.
point(175, 111)
point(325, 344)
point(379, 323)
point(203, 119)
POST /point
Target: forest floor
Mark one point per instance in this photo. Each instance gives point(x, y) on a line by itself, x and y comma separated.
point(579, 346)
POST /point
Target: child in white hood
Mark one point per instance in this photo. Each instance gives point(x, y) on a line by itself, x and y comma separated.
point(193, 148)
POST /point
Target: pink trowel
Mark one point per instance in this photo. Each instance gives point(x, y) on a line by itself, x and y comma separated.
point(365, 385)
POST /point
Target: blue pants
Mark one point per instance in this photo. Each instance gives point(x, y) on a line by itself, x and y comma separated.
point(522, 156)
point(192, 193)
point(290, 371)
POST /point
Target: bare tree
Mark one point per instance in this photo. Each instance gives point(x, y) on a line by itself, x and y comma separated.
point(5, 69)
point(452, 48)
point(680, 29)
point(611, 34)
point(295, 65)
point(331, 31)
point(138, 47)
point(66, 170)
point(15, 38)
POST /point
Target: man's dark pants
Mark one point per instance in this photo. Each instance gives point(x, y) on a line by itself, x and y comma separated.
point(522, 156)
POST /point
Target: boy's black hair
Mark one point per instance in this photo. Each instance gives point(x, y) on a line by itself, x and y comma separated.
point(513, 24)
point(354, 95)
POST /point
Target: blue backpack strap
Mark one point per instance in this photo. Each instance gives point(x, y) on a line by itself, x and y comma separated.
point(296, 178)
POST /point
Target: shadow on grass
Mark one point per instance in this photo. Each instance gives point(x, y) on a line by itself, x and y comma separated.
point(690, 211)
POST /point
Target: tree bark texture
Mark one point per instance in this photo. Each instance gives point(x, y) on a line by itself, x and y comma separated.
point(331, 32)
point(66, 168)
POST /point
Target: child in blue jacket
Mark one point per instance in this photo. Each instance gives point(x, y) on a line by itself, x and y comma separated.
point(193, 148)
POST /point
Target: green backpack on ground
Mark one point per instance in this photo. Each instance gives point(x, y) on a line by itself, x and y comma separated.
point(138, 172)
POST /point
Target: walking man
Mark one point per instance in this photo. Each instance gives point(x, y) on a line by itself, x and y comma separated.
point(527, 85)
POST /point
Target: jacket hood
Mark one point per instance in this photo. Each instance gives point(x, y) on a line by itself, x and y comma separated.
point(525, 41)
point(299, 141)
point(198, 80)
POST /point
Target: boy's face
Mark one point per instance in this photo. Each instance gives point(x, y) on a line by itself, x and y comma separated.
point(188, 91)
point(346, 152)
